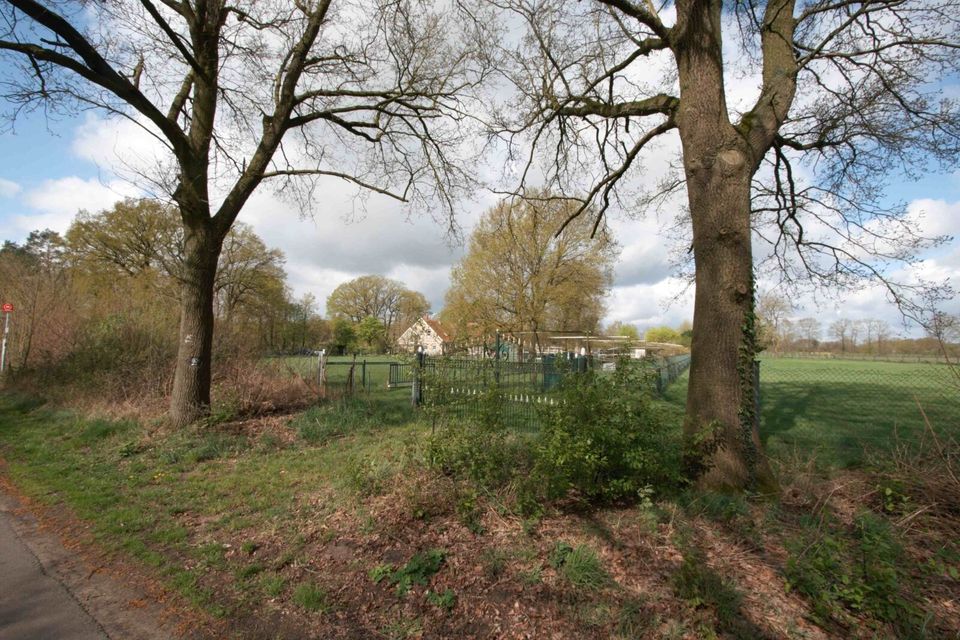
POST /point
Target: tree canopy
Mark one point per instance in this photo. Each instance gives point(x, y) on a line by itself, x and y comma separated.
point(375, 296)
point(521, 277)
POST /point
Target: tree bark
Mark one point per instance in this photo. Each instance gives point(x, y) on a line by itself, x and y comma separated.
point(718, 163)
point(190, 398)
point(720, 406)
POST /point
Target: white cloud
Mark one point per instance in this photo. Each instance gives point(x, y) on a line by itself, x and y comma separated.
point(650, 305)
point(936, 217)
point(8, 188)
point(56, 202)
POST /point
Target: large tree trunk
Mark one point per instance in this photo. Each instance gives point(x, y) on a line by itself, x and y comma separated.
point(190, 399)
point(718, 164)
point(720, 399)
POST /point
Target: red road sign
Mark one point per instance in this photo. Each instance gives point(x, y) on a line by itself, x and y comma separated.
point(7, 307)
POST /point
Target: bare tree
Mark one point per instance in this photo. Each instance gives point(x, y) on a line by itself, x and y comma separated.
point(841, 329)
point(847, 92)
point(810, 331)
point(242, 92)
point(880, 332)
point(772, 310)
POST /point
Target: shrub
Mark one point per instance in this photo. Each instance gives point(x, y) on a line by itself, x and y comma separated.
point(605, 439)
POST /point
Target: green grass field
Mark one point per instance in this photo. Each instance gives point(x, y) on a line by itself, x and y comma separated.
point(374, 376)
point(837, 408)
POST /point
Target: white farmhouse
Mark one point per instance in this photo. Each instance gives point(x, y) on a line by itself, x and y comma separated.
point(427, 333)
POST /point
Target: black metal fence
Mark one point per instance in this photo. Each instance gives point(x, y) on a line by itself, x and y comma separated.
point(516, 391)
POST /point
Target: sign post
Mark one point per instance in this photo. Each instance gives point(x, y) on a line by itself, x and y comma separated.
point(7, 310)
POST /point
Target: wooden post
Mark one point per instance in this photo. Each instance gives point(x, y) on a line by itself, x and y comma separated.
point(322, 370)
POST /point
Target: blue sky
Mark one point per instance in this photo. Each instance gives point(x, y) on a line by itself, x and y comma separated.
point(48, 171)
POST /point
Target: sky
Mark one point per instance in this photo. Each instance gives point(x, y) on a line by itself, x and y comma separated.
point(50, 168)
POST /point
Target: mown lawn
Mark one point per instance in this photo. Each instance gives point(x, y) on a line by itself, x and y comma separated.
point(837, 409)
point(372, 372)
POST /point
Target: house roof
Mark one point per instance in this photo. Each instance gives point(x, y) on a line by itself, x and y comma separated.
point(438, 328)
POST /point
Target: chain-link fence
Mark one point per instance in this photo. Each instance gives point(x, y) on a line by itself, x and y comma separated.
point(839, 408)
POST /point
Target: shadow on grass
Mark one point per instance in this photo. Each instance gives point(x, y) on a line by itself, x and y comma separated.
point(839, 420)
point(361, 413)
point(703, 588)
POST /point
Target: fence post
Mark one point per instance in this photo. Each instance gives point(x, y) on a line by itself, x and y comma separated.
point(363, 375)
point(321, 367)
point(496, 358)
point(756, 395)
point(416, 397)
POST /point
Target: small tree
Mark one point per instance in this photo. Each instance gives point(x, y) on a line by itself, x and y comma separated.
point(519, 276)
point(373, 334)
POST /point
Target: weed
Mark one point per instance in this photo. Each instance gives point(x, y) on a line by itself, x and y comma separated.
point(945, 563)
point(402, 629)
point(856, 569)
point(367, 475)
point(469, 513)
point(445, 600)
point(311, 597)
point(418, 571)
point(719, 507)
point(532, 576)
point(381, 572)
point(580, 565)
point(632, 620)
point(494, 561)
point(700, 586)
point(594, 614)
point(892, 498)
point(212, 555)
point(249, 571)
point(273, 585)
point(248, 547)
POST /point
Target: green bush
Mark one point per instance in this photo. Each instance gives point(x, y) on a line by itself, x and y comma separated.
point(606, 439)
point(481, 450)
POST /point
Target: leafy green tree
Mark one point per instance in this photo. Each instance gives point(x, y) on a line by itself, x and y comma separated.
point(390, 301)
point(344, 336)
point(520, 276)
point(662, 334)
point(372, 334)
point(624, 329)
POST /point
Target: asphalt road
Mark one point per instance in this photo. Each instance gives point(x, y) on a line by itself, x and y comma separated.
point(34, 605)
